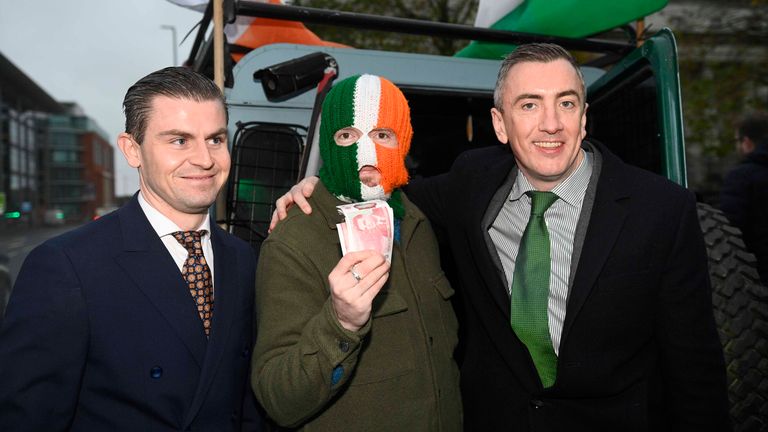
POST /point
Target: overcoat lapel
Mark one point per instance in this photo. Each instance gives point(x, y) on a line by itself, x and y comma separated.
point(498, 182)
point(485, 207)
point(226, 289)
point(148, 264)
point(608, 215)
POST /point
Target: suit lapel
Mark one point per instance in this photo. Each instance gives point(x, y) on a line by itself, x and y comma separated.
point(492, 211)
point(607, 218)
point(226, 288)
point(497, 182)
point(487, 202)
point(148, 264)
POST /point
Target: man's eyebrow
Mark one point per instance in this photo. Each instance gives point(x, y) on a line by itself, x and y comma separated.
point(527, 96)
point(175, 132)
point(569, 93)
point(184, 134)
point(222, 131)
point(535, 96)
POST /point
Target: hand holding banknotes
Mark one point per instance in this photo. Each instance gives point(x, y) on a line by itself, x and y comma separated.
point(355, 281)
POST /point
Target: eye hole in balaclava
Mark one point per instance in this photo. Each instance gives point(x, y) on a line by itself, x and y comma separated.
point(365, 102)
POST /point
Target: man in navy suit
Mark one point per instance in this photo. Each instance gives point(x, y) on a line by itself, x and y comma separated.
point(143, 319)
point(629, 339)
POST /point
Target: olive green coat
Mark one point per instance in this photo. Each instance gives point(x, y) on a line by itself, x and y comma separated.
point(396, 374)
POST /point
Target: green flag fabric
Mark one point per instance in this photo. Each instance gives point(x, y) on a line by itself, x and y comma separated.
point(565, 18)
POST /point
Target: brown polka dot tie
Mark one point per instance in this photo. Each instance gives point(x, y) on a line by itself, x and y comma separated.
point(197, 275)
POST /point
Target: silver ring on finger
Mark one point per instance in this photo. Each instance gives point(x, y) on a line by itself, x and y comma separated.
point(355, 274)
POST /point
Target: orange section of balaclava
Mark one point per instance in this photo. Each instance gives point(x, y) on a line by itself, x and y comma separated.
point(394, 114)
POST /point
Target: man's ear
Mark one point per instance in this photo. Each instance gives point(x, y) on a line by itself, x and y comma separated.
point(584, 121)
point(130, 149)
point(498, 126)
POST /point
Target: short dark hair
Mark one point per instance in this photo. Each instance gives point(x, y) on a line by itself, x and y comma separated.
point(537, 53)
point(173, 82)
point(755, 127)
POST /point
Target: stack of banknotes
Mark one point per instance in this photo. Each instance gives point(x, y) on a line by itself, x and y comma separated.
point(367, 225)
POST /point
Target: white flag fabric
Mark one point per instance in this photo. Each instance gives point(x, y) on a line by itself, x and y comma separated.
point(490, 11)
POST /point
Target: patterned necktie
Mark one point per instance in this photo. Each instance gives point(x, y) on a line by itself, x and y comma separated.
point(530, 289)
point(197, 275)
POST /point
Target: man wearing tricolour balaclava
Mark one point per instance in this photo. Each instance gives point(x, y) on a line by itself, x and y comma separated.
point(353, 342)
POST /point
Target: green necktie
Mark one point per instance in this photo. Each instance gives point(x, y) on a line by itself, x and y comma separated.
point(530, 289)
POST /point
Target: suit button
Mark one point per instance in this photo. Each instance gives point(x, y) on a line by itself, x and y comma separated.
point(536, 403)
point(344, 346)
point(156, 372)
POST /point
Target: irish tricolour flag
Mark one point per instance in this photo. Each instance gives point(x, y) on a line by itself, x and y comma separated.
point(252, 33)
point(566, 18)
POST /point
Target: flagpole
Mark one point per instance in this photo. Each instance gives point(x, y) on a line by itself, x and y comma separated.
point(218, 43)
point(218, 78)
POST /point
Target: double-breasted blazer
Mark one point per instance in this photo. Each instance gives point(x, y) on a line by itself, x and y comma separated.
point(101, 334)
point(639, 349)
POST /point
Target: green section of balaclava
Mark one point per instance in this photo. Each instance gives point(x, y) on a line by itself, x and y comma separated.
point(339, 172)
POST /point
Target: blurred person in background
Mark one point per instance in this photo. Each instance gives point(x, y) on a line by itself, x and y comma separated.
point(744, 197)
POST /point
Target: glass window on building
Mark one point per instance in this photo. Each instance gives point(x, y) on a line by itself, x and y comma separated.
point(64, 140)
point(98, 157)
point(29, 136)
point(13, 127)
point(67, 191)
point(32, 136)
point(59, 121)
point(65, 156)
point(14, 157)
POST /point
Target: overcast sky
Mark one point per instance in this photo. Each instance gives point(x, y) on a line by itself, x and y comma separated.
point(91, 51)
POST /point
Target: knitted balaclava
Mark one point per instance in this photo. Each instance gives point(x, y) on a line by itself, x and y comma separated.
point(365, 102)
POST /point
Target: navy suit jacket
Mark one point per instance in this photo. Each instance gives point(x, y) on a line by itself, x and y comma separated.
point(639, 350)
point(101, 334)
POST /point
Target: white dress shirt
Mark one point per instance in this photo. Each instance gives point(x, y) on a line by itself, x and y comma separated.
point(165, 228)
point(561, 220)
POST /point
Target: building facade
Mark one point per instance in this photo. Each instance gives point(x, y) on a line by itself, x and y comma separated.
point(56, 163)
point(21, 139)
point(77, 165)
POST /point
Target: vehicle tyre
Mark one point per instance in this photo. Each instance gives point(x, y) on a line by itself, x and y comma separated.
point(741, 313)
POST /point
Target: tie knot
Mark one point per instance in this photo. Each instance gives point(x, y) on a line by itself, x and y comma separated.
point(190, 239)
point(541, 201)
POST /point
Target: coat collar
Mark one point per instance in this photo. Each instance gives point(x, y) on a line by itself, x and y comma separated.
point(610, 208)
point(608, 212)
point(147, 262)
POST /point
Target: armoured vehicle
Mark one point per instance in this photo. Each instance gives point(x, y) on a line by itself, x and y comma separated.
point(273, 94)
